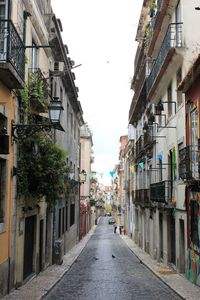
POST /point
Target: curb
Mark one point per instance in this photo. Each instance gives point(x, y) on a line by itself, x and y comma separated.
point(43, 283)
point(124, 238)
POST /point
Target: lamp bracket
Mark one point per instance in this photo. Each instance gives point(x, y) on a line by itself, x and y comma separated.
point(20, 130)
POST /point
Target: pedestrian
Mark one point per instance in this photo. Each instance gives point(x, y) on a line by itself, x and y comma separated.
point(115, 227)
point(120, 229)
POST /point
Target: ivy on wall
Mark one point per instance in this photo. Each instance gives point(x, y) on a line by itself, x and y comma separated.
point(42, 169)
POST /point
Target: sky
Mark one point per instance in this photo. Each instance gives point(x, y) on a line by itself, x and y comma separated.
point(100, 35)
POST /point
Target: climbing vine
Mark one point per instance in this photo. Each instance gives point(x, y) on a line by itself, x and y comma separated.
point(42, 169)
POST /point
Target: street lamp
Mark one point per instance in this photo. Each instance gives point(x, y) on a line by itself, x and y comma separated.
point(82, 178)
point(55, 108)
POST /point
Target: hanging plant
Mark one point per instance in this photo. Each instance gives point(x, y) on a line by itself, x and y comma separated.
point(42, 169)
point(24, 104)
point(38, 91)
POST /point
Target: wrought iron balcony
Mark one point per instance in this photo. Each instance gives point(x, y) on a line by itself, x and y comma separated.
point(172, 40)
point(12, 55)
point(189, 163)
point(148, 137)
point(156, 14)
point(141, 197)
point(161, 192)
point(139, 145)
point(38, 90)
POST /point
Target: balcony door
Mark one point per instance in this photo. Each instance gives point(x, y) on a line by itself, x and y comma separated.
point(178, 25)
point(194, 134)
point(3, 25)
point(3, 9)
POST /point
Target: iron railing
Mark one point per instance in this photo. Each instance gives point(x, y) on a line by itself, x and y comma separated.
point(38, 85)
point(173, 39)
point(12, 49)
point(141, 197)
point(148, 137)
point(189, 163)
point(139, 145)
point(156, 15)
point(161, 191)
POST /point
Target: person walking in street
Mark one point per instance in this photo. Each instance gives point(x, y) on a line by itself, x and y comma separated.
point(115, 227)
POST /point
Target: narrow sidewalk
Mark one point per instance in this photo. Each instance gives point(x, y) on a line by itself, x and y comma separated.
point(38, 287)
point(176, 282)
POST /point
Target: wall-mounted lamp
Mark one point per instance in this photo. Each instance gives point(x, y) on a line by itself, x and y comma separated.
point(82, 178)
point(55, 108)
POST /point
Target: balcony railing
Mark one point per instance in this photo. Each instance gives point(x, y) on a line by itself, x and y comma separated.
point(156, 14)
point(189, 163)
point(38, 90)
point(148, 137)
point(161, 192)
point(139, 145)
point(173, 39)
point(11, 47)
point(141, 197)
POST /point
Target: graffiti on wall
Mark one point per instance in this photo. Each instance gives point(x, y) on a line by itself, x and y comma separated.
point(193, 262)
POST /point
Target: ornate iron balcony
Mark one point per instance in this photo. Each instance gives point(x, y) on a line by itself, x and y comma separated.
point(173, 39)
point(38, 90)
point(139, 145)
point(12, 55)
point(161, 192)
point(141, 197)
point(148, 137)
point(189, 163)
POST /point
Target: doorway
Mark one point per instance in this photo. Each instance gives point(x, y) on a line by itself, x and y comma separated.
point(29, 240)
point(182, 246)
point(161, 234)
point(41, 246)
point(173, 238)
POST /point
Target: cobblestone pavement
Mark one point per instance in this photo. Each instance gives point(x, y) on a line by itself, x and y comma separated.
point(108, 269)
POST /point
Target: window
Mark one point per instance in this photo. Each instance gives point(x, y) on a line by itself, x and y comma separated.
point(63, 220)
point(169, 99)
point(194, 209)
point(72, 214)
point(74, 129)
point(178, 26)
point(55, 89)
point(71, 123)
point(160, 166)
point(59, 222)
point(20, 18)
point(66, 217)
point(68, 115)
point(179, 93)
point(194, 142)
point(3, 9)
point(34, 56)
point(61, 94)
point(2, 189)
point(3, 16)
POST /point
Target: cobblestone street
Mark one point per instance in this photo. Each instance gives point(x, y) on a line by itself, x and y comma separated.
point(107, 269)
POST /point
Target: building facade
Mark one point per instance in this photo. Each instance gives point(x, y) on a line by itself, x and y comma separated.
point(33, 232)
point(166, 49)
point(87, 217)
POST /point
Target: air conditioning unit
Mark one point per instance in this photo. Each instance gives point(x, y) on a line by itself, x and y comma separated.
point(58, 66)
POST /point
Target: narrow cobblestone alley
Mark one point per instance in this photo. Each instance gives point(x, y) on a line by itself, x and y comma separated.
point(107, 269)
